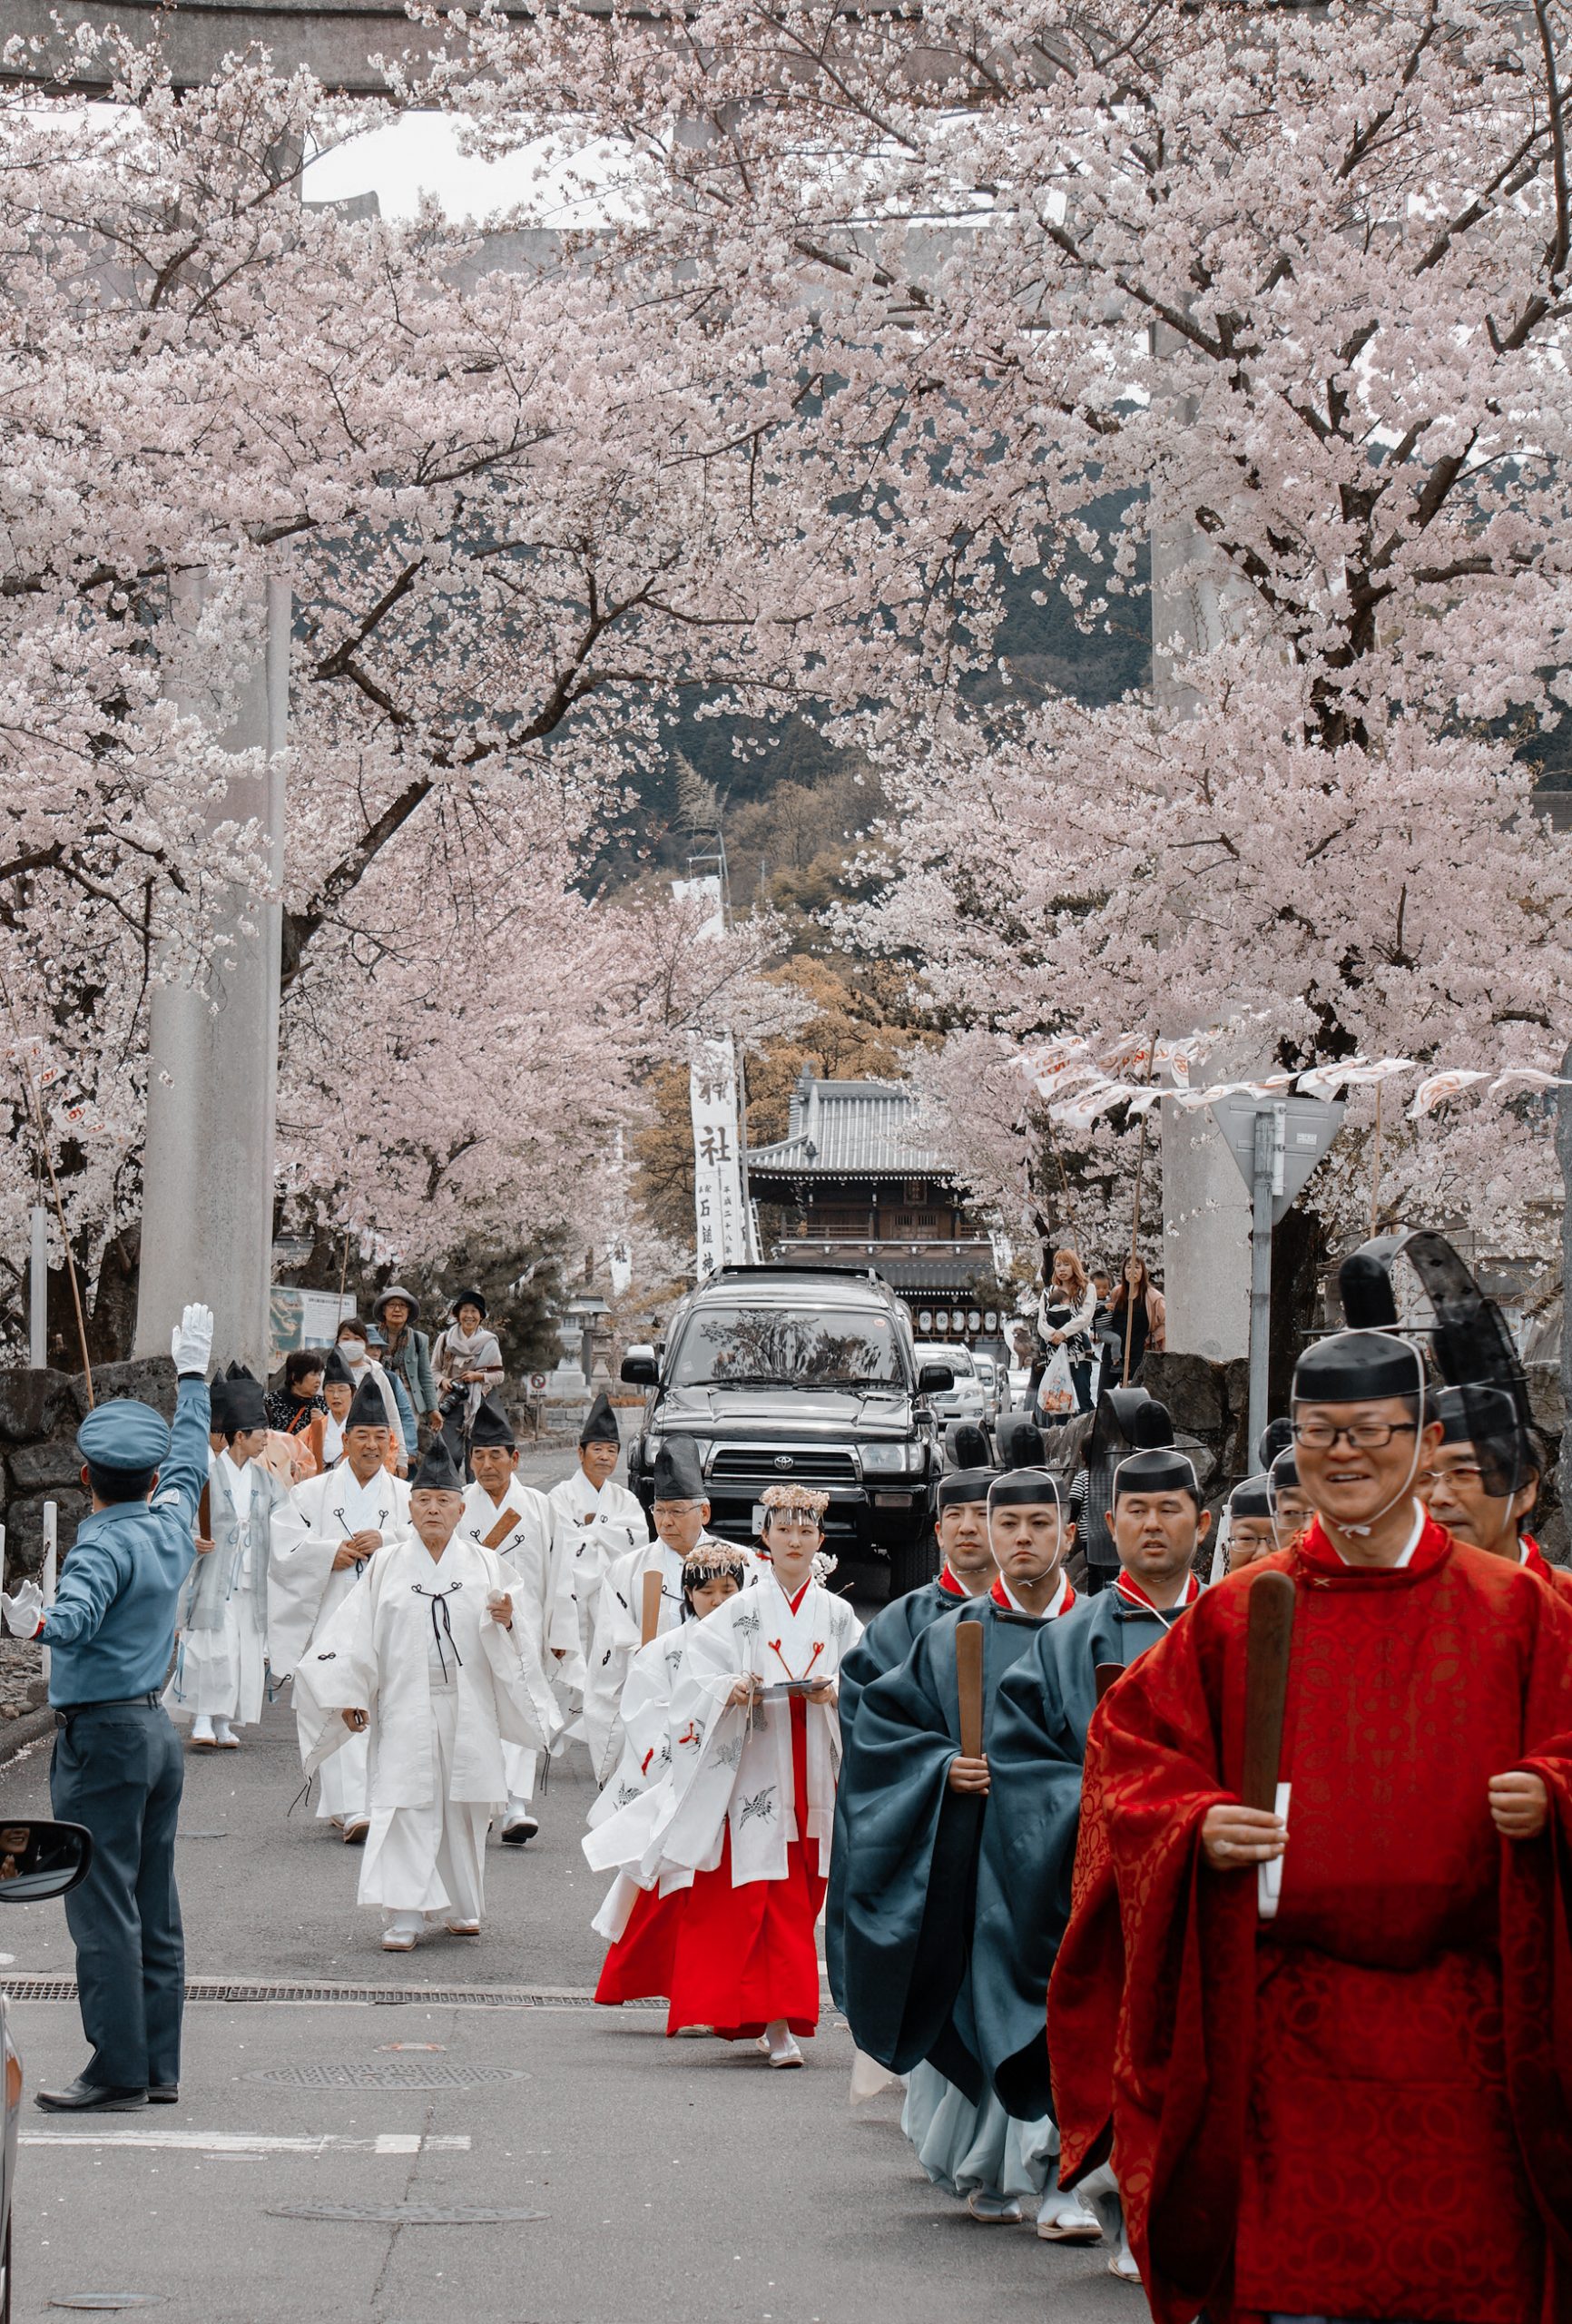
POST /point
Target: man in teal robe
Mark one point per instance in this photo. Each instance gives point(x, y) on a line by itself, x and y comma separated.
point(967, 1571)
point(915, 1806)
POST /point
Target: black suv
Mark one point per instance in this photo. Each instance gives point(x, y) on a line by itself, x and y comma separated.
point(803, 1374)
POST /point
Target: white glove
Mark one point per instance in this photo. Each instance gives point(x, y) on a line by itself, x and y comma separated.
point(21, 1612)
point(191, 1341)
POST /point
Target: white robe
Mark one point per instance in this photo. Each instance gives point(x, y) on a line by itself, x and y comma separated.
point(622, 1819)
point(731, 1767)
point(529, 1547)
point(444, 1696)
point(221, 1666)
point(592, 1529)
point(618, 1634)
point(304, 1592)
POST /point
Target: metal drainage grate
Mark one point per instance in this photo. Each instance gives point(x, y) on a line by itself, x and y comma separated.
point(387, 2073)
point(404, 2214)
point(378, 1996)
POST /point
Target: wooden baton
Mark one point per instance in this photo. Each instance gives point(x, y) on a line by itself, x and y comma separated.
point(650, 1616)
point(968, 1687)
point(205, 1516)
point(500, 1531)
point(1105, 1673)
point(1268, 1639)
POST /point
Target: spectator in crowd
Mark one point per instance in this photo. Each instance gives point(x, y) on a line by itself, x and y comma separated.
point(407, 1354)
point(354, 1344)
point(1137, 1307)
point(292, 1408)
point(409, 1426)
point(467, 1362)
point(1064, 1316)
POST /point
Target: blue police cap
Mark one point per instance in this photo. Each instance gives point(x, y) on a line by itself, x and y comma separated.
point(123, 1434)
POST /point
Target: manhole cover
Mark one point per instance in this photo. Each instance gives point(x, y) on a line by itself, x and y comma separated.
point(387, 2073)
point(404, 2214)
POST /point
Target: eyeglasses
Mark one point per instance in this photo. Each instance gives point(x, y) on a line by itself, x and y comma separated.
point(1464, 1472)
point(1364, 1435)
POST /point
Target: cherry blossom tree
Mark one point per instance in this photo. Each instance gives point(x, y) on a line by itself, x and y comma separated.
point(520, 526)
point(1271, 300)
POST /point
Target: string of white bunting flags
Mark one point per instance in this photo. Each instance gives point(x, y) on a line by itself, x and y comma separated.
point(1082, 1082)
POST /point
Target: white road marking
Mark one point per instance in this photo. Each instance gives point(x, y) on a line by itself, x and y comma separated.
point(247, 2143)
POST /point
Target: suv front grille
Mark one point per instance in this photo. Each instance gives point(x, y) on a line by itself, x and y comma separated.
point(755, 1464)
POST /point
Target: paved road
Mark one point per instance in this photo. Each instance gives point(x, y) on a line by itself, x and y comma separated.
point(667, 2180)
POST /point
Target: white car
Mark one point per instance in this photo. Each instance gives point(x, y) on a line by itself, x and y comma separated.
point(987, 1372)
point(967, 1400)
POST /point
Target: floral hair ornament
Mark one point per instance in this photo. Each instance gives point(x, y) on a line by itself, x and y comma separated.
point(801, 1499)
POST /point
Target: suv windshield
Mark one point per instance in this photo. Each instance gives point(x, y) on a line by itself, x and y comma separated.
point(735, 1347)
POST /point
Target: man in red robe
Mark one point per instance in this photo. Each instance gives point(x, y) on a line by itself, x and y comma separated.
point(1333, 2045)
point(1486, 1494)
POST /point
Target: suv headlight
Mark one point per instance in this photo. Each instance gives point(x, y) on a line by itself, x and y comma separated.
point(887, 1460)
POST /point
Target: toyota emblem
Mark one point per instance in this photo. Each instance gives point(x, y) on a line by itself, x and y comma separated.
point(784, 1461)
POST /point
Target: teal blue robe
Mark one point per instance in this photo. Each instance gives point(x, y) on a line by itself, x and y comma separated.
point(1039, 1741)
point(883, 1646)
point(916, 1955)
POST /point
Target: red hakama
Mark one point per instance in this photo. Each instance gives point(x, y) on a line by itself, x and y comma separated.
point(1362, 2107)
point(639, 1964)
point(745, 1957)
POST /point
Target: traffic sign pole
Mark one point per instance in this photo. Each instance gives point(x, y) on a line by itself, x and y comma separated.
point(1276, 1142)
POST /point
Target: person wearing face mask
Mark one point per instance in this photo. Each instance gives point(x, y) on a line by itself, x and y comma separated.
point(1333, 2014)
point(1487, 1494)
point(221, 1661)
point(921, 1932)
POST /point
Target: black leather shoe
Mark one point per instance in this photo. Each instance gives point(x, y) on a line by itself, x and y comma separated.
point(89, 2098)
point(163, 2093)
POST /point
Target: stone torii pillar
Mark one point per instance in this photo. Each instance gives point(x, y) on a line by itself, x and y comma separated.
point(212, 1060)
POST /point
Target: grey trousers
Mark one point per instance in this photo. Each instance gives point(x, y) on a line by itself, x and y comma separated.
point(118, 1768)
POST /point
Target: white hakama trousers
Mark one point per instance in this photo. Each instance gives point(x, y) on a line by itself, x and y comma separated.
point(344, 1782)
point(521, 1765)
point(429, 1861)
point(222, 1673)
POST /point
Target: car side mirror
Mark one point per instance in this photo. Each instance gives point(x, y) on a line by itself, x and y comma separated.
point(640, 1369)
point(934, 1379)
point(39, 1860)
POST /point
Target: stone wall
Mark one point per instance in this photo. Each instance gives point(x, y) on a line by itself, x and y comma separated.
point(1210, 1405)
point(39, 1413)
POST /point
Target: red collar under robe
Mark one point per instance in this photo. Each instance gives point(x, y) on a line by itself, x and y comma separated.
point(1363, 2107)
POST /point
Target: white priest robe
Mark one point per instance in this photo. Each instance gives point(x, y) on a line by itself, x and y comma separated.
point(520, 1529)
point(732, 1765)
point(622, 1818)
point(445, 1687)
point(593, 1530)
point(618, 1634)
point(304, 1592)
point(221, 1666)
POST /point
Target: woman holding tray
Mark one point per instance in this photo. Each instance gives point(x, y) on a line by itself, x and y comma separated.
point(751, 1802)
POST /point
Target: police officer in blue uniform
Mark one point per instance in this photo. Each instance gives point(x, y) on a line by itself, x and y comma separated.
point(117, 1765)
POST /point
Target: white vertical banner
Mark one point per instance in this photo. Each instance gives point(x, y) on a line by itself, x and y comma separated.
point(720, 1227)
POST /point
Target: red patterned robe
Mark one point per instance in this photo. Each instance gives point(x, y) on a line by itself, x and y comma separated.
point(1362, 2107)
